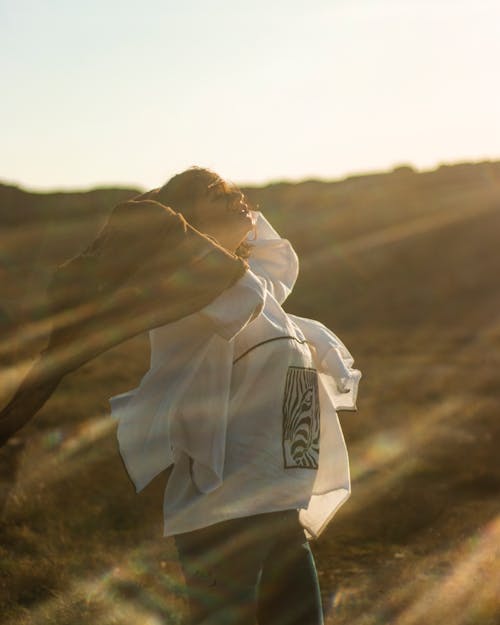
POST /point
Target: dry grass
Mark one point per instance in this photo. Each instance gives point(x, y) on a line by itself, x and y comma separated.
point(418, 304)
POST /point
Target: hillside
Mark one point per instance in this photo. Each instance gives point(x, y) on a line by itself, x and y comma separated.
point(404, 267)
point(41, 230)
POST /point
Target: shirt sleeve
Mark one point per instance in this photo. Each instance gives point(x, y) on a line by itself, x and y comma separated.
point(334, 359)
point(235, 307)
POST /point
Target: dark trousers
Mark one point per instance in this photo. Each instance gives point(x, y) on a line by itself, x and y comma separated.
point(256, 569)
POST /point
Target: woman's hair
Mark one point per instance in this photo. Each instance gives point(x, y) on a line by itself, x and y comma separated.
point(182, 192)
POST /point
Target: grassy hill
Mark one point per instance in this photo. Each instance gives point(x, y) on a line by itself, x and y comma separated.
point(404, 267)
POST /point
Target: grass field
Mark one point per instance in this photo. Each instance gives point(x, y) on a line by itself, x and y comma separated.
point(404, 267)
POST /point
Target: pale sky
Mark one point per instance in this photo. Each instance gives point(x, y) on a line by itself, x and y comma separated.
point(107, 92)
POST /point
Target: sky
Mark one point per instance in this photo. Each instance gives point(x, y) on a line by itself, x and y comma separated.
point(121, 92)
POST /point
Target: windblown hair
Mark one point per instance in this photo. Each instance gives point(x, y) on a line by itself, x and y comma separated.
point(182, 192)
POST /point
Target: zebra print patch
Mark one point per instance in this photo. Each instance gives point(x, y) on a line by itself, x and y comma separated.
point(301, 423)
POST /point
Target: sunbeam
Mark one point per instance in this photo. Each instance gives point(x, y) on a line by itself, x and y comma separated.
point(143, 586)
point(469, 593)
point(398, 232)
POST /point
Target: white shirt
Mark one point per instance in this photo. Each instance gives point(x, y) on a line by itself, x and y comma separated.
point(231, 429)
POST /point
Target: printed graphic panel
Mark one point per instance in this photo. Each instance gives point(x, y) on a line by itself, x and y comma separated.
point(301, 424)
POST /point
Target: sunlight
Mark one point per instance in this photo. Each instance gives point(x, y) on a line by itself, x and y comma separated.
point(142, 588)
point(87, 432)
point(60, 446)
point(397, 232)
point(369, 456)
point(469, 593)
point(13, 375)
point(457, 585)
point(379, 450)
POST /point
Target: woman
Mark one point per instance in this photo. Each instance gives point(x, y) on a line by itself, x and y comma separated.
point(240, 399)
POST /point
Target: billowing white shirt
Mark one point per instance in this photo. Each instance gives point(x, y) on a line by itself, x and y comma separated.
point(242, 399)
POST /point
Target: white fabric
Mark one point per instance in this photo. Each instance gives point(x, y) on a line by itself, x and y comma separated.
point(254, 477)
point(332, 358)
point(173, 408)
point(179, 413)
point(273, 259)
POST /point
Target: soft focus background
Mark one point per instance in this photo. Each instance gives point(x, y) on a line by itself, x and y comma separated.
point(400, 259)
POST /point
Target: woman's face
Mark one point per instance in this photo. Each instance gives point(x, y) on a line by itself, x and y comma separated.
point(224, 215)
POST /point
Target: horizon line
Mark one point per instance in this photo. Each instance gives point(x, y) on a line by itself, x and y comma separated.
point(252, 185)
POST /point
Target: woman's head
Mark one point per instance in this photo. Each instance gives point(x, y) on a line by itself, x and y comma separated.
point(211, 205)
